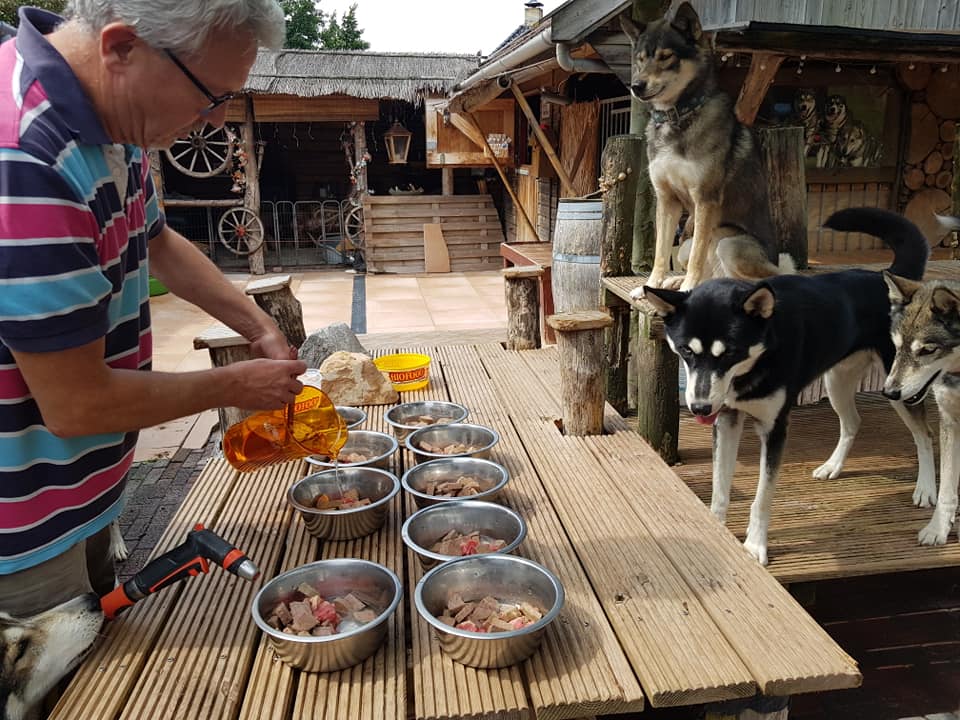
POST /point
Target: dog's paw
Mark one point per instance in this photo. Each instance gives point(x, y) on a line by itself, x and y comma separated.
point(638, 293)
point(655, 280)
point(719, 511)
point(757, 548)
point(936, 532)
point(925, 494)
point(678, 282)
point(118, 546)
point(830, 470)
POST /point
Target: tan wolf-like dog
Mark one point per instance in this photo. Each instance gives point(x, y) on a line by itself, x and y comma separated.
point(925, 325)
point(37, 652)
point(702, 158)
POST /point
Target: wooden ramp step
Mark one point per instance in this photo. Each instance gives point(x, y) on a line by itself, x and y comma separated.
point(750, 610)
point(580, 669)
point(106, 678)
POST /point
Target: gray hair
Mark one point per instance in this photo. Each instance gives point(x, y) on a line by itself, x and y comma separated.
point(181, 26)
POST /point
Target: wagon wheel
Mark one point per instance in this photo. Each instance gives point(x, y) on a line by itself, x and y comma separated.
point(353, 227)
point(241, 231)
point(203, 153)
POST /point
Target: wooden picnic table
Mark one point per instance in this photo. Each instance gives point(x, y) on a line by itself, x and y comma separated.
point(663, 607)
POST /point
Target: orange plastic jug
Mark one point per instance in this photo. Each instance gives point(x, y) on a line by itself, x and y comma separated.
point(310, 425)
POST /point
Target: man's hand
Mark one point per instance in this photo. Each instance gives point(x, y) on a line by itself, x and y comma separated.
point(265, 384)
point(273, 345)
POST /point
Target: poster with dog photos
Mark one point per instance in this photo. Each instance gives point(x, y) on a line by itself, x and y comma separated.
point(843, 124)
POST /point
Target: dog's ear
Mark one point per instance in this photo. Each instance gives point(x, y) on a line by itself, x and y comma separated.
point(665, 302)
point(632, 29)
point(945, 301)
point(686, 21)
point(760, 302)
point(899, 289)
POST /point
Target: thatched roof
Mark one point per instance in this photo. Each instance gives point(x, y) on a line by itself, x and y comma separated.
point(358, 73)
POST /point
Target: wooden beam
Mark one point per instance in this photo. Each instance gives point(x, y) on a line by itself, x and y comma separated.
point(763, 68)
point(521, 211)
point(544, 141)
point(467, 128)
point(475, 97)
point(251, 193)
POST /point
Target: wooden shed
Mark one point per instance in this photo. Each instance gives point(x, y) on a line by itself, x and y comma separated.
point(301, 149)
point(893, 66)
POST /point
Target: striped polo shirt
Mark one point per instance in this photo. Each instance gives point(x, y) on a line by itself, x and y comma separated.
point(76, 212)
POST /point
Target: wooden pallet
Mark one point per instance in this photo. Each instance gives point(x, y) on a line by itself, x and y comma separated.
point(393, 229)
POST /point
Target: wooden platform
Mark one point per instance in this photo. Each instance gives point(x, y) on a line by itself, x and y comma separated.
point(862, 523)
point(663, 605)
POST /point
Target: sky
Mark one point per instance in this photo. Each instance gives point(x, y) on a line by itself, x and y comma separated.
point(455, 26)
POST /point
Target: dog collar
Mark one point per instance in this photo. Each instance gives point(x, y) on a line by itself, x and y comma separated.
point(678, 116)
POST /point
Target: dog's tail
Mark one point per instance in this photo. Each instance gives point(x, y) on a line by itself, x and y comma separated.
point(910, 247)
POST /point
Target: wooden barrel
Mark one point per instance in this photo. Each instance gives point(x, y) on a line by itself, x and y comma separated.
point(576, 255)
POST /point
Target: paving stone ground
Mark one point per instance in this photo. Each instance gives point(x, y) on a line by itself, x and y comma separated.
point(155, 489)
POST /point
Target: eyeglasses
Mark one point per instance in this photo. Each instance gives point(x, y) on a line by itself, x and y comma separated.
point(215, 100)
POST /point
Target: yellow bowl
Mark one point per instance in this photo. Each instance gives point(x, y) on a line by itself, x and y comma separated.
point(407, 371)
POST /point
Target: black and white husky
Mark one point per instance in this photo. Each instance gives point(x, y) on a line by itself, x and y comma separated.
point(37, 652)
point(750, 348)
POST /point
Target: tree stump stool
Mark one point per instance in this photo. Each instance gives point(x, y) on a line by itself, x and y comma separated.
point(583, 377)
point(274, 295)
point(225, 347)
point(521, 287)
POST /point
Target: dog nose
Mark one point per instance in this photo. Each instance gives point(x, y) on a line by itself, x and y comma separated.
point(891, 394)
point(701, 409)
point(639, 89)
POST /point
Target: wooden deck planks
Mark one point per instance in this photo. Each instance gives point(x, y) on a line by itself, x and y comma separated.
point(106, 679)
point(210, 632)
point(752, 610)
point(442, 688)
point(674, 646)
point(861, 523)
point(580, 668)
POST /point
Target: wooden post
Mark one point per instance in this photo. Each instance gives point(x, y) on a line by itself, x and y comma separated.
point(251, 193)
point(544, 141)
point(763, 69)
point(620, 177)
point(658, 389)
point(446, 175)
point(582, 376)
point(521, 286)
point(521, 211)
point(782, 150)
point(274, 295)
point(759, 707)
point(225, 347)
point(359, 151)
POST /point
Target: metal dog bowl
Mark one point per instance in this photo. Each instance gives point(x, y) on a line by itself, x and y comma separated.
point(441, 435)
point(399, 416)
point(508, 578)
point(378, 485)
point(491, 476)
point(378, 448)
point(427, 526)
point(352, 416)
point(331, 578)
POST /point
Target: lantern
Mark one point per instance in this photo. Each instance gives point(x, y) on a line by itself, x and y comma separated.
point(397, 139)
